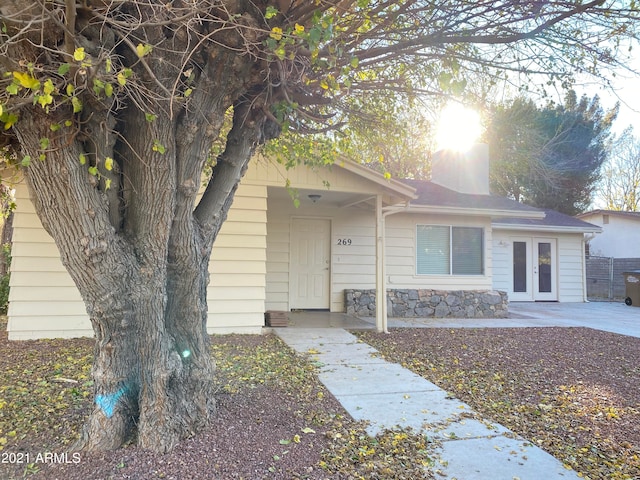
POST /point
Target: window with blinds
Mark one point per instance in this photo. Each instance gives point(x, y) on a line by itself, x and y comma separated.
point(448, 250)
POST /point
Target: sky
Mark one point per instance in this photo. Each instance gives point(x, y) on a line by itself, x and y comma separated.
point(627, 91)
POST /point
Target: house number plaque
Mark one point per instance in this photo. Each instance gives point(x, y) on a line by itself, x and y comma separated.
point(344, 241)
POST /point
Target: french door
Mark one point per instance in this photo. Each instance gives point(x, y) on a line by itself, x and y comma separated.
point(534, 269)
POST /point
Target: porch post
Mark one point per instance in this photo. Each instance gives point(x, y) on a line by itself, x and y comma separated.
point(381, 284)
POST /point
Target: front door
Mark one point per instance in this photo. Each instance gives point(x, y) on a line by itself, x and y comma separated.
point(310, 259)
point(534, 269)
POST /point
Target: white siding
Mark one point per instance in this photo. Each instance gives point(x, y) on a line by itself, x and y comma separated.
point(236, 293)
point(334, 178)
point(502, 262)
point(352, 266)
point(43, 300)
point(619, 237)
point(401, 254)
point(571, 287)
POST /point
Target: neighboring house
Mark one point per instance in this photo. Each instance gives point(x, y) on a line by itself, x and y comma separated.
point(620, 233)
point(353, 229)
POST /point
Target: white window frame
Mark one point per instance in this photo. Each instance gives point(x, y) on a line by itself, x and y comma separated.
point(451, 228)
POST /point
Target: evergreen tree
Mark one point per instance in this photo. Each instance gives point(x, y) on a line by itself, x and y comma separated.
point(549, 157)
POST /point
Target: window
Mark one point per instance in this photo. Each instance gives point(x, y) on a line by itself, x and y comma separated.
point(446, 250)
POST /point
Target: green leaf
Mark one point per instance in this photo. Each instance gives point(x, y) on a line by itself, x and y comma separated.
point(150, 117)
point(107, 184)
point(9, 120)
point(12, 89)
point(48, 87)
point(44, 100)
point(107, 65)
point(77, 104)
point(70, 89)
point(188, 92)
point(108, 163)
point(276, 33)
point(26, 161)
point(457, 87)
point(143, 50)
point(108, 90)
point(82, 158)
point(54, 127)
point(271, 12)
point(78, 54)
point(64, 69)
point(123, 75)
point(158, 147)
point(444, 80)
point(26, 80)
point(44, 143)
point(93, 171)
point(98, 86)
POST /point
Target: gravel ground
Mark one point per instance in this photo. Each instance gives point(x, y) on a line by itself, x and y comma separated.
point(274, 421)
point(573, 391)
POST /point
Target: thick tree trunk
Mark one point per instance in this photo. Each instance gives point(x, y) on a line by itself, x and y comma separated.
point(128, 229)
point(145, 291)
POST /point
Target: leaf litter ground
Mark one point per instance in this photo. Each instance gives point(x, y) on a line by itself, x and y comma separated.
point(275, 420)
point(575, 392)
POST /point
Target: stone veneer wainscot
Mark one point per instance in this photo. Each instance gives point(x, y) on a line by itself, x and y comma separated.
point(417, 303)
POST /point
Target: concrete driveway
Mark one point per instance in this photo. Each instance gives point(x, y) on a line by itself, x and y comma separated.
point(608, 316)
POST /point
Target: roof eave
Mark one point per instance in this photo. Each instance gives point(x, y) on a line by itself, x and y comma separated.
point(396, 186)
point(478, 212)
point(549, 228)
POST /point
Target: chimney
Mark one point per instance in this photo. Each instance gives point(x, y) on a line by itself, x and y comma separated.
point(464, 172)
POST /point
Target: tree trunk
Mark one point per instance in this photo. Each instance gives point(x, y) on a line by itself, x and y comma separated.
point(114, 178)
point(5, 239)
point(145, 292)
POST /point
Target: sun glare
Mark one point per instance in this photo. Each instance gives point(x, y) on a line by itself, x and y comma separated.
point(458, 128)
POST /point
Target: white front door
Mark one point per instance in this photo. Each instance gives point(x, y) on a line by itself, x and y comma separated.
point(309, 277)
point(534, 269)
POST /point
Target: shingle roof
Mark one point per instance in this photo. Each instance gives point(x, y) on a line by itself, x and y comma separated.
point(551, 219)
point(432, 194)
point(619, 213)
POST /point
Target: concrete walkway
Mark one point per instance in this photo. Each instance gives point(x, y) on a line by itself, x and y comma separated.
point(388, 395)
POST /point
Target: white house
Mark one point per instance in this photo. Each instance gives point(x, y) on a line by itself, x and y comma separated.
point(620, 233)
point(353, 229)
